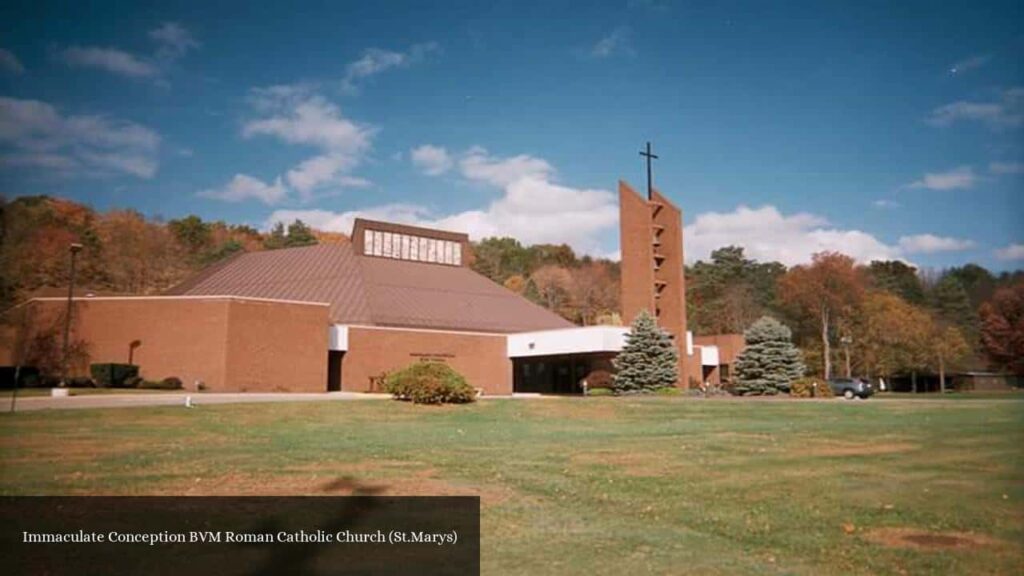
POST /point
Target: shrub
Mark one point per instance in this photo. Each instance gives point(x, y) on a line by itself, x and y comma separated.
point(171, 383)
point(429, 383)
point(113, 375)
point(599, 379)
point(81, 382)
point(133, 382)
point(673, 391)
point(600, 392)
point(804, 388)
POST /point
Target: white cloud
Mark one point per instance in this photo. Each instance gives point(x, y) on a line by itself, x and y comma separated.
point(617, 41)
point(109, 60)
point(1010, 252)
point(297, 115)
point(35, 134)
point(431, 160)
point(766, 234)
point(531, 208)
point(971, 63)
point(10, 63)
point(173, 40)
point(885, 204)
point(930, 244)
point(477, 164)
point(1006, 167)
point(375, 61)
point(1007, 112)
point(957, 178)
point(245, 187)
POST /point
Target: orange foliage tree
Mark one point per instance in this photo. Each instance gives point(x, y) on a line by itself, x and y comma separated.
point(825, 293)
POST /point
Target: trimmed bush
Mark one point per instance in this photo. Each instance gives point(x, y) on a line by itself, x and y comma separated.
point(600, 392)
point(429, 383)
point(600, 379)
point(171, 383)
point(81, 382)
point(804, 388)
point(113, 375)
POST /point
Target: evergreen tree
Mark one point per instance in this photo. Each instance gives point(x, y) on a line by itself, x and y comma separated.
point(648, 361)
point(770, 361)
point(952, 306)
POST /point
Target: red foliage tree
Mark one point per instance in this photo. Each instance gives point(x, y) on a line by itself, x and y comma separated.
point(1002, 328)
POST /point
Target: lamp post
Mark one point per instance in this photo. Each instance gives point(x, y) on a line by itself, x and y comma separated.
point(74, 248)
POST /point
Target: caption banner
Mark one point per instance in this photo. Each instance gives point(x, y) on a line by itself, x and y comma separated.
point(240, 535)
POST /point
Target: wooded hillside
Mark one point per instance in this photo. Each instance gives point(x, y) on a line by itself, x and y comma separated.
point(886, 317)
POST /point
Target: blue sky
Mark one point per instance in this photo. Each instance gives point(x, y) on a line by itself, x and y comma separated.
point(877, 129)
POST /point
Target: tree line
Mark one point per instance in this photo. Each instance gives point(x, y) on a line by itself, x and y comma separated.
point(882, 318)
point(124, 251)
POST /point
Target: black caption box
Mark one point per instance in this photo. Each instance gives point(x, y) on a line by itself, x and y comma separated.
point(240, 535)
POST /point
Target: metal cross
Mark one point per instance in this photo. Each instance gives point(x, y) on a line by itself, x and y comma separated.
point(647, 154)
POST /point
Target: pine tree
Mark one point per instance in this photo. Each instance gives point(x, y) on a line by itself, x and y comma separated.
point(770, 361)
point(648, 361)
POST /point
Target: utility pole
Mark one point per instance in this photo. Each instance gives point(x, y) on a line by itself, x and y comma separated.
point(74, 248)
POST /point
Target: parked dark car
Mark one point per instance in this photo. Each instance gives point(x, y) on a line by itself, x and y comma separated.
point(851, 387)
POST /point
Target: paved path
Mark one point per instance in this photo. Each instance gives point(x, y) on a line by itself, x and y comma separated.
point(175, 399)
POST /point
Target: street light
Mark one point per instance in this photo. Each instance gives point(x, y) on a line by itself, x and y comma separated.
point(74, 248)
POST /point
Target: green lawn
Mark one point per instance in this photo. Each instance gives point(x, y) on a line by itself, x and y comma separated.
point(596, 486)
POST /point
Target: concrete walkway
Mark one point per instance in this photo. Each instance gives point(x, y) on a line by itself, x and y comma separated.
point(175, 399)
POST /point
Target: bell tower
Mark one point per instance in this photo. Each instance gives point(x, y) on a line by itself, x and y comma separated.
point(651, 239)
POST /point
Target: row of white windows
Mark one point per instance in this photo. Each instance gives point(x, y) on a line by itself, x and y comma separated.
point(406, 247)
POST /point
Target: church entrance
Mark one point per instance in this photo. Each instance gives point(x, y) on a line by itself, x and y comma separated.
point(561, 374)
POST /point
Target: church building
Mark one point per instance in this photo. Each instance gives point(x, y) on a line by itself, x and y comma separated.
point(336, 317)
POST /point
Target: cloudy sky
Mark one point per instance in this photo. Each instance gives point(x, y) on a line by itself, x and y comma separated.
point(878, 130)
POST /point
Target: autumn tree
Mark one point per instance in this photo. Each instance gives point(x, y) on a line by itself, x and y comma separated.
point(592, 292)
point(500, 258)
point(824, 292)
point(889, 334)
point(948, 348)
point(1002, 328)
point(553, 285)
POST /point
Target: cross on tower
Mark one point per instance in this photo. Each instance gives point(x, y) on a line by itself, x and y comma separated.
point(649, 156)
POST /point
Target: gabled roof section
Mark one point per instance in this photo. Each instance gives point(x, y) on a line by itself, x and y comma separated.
point(366, 290)
point(423, 295)
point(322, 273)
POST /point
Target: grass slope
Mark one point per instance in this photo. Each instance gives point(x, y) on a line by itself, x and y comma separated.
point(598, 486)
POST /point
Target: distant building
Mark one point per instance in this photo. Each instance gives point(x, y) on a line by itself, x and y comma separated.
point(341, 316)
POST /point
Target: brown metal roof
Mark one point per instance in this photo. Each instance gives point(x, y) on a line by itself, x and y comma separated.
point(375, 291)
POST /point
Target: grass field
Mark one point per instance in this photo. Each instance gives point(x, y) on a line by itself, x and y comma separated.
point(597, 486)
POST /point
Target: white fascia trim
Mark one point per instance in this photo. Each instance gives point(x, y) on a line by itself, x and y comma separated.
point(428, 330)
point(567, 341)
point(708, 355)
